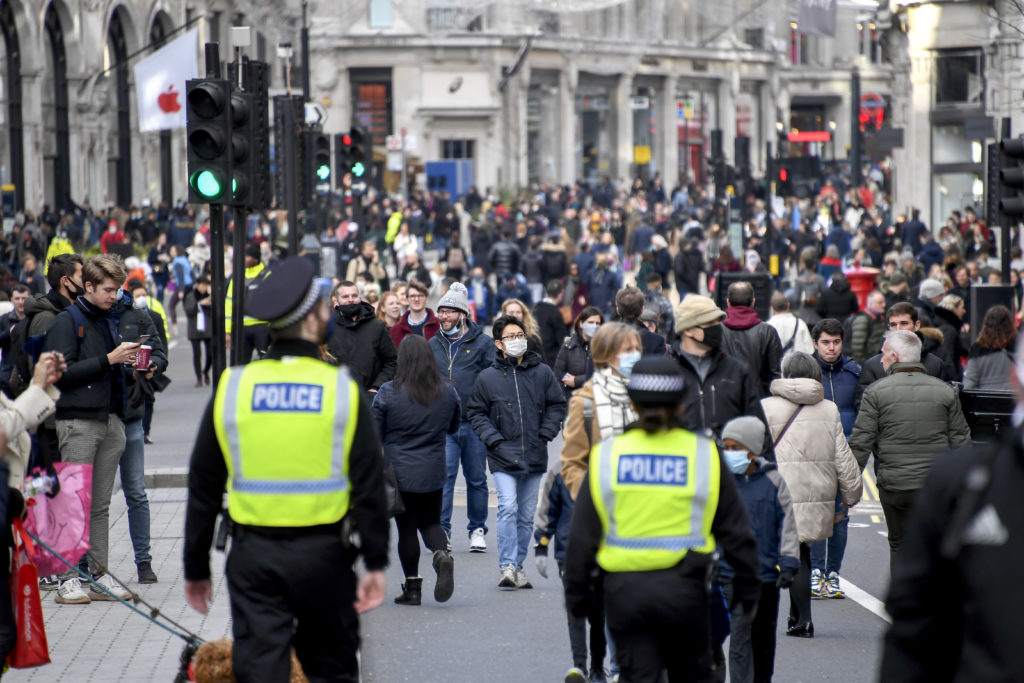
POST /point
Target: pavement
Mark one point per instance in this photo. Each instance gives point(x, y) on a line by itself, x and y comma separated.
point(482, 632)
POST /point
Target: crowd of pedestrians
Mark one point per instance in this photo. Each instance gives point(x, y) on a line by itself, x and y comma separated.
point(480, 331)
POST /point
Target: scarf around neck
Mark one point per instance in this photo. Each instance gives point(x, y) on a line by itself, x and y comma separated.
point(612, 406)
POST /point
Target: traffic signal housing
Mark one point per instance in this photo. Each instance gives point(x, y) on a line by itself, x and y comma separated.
point(208, 131)
point(1011, 179)
point(244, 183)
point(321, 157)
point(783, 186)
point(360, 151)
point(342, 162)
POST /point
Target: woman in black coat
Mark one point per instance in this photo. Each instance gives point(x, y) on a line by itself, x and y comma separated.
point(200, 314)
point(573, 365)
point(414, 412)
point(838, 301)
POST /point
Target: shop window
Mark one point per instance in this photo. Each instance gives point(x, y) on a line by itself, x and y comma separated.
point(959, 77)
point(754, 37)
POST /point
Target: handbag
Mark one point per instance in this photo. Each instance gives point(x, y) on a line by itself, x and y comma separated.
point(30, 648)
point(786, 427)
point(62, 522)
point(566, 312)
point(391, 493)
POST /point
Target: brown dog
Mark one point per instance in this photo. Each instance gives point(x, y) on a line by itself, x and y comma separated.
point(213, 664)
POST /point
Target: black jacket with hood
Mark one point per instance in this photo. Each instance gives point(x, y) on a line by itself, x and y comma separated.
point(364, 346)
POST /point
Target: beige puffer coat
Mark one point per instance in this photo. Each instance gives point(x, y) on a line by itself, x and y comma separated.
point(813, 455)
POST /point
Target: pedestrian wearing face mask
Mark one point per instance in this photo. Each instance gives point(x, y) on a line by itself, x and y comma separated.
point(574, 365)
point(601, 409)
point(516, 408)
point(718, 386)
point(360, 341)
point(770, 509)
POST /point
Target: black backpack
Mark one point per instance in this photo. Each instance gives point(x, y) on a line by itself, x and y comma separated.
point(23, 361)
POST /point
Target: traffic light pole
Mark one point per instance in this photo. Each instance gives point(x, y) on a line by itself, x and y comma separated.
point(238, 287)
point(291, 180)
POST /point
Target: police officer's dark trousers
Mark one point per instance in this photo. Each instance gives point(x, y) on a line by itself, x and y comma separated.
point(292, 588)
point(659, 622)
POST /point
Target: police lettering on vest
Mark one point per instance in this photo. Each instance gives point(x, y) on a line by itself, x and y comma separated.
point(283, 397)
point(669, 470)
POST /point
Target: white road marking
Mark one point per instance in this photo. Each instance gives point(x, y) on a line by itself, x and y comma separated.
point(866, 600)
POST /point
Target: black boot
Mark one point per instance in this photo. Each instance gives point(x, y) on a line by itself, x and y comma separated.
point(444, 565)
point(412, 591)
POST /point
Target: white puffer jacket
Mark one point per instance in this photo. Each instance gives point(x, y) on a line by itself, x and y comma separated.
point(813, 455)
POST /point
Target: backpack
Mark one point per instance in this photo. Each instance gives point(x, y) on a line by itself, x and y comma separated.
point(26, 350)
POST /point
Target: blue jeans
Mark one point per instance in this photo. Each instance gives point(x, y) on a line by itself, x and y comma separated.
point(835, 544)
point(517, 502)
point(465, 447)
point(133, 470)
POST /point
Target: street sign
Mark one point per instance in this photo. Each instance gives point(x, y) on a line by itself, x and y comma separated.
point(394, 143)
point(316, 115)
point(641, 155)
point(359, 188)
point(639, 102)
point(394, 161)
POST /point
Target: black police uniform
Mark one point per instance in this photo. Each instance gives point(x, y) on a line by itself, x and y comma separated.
point(279, 576)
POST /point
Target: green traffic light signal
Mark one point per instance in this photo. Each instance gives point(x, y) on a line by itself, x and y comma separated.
point(323, 172)
point(207, 184)
point(358, 169)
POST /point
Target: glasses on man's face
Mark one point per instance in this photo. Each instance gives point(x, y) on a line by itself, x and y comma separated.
point(513, 337)
point(415, 296)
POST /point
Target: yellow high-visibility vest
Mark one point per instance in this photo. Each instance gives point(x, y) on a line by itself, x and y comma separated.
point(656, 496)
point(250, 274)
point(285, 428)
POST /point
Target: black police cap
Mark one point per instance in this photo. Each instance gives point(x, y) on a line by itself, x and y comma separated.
point(286, 294)
point(656, 381)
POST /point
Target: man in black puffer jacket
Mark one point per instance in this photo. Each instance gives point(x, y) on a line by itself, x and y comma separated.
point(517, 407)
point(748, 338)
point(361, 341)
point(504, 255)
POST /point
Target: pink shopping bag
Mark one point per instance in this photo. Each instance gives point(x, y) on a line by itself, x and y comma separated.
point(62, 522)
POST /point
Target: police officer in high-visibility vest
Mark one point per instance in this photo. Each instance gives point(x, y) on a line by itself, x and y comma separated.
point(295, 443)
point(651, 514)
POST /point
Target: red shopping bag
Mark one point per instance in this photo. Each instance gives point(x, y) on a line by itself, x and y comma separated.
point(30, 649)
point(62, 522)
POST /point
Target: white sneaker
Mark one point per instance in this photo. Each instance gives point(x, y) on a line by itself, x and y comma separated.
point(477, 543)
point(508, 577)
point(70, 593)
point(521, 580)
point(114, 587)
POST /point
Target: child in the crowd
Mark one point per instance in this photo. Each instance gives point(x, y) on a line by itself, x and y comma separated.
point(552, 521)
point(770, 508)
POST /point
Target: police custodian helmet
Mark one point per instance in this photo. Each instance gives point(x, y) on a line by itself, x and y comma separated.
point(287, 293)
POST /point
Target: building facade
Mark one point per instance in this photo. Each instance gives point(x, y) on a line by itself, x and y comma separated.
point(532, 92)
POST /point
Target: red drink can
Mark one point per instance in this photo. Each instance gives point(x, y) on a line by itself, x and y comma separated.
point(142, 357)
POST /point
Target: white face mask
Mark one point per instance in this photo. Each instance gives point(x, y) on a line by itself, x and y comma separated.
point(141, 301)
point(515, 348)
point(589, 329)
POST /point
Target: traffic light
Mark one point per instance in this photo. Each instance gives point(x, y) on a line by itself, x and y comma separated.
point(208, 116)
point(782, 184)
point(342, 162)
point(244, 185)
point(1011, 179)
point(360, 151)
point(321, 154)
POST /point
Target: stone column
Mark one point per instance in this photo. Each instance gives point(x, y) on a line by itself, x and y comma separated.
point(624, 119)
point(669, 134)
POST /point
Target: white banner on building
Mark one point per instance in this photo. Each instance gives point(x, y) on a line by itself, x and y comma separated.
point(817, 17)
point(160, 83)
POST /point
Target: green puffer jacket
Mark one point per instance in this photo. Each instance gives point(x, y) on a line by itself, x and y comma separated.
point(906, 419)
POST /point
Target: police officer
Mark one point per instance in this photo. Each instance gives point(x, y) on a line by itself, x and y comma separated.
point(295, 443)
point(651, 514)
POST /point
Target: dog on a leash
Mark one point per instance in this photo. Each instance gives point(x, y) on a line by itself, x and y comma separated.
point(213, 664)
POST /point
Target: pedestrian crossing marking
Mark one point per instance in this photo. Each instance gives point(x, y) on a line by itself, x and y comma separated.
point(875, 519)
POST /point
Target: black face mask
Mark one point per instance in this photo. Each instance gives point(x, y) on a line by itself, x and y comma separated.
point(713, 337)
point(75, 289)
point(349, 310)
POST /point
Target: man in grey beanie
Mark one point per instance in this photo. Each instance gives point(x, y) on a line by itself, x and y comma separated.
point(463, 351)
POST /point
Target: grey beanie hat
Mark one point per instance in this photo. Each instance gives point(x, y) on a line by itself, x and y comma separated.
point(746, 431)
point(456, 297)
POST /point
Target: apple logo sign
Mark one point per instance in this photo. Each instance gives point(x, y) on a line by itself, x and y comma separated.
point(168, 101)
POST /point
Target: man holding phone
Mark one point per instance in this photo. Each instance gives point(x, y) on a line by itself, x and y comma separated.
point(92, 407)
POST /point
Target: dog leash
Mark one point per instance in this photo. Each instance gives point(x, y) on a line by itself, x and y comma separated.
point(192, 641)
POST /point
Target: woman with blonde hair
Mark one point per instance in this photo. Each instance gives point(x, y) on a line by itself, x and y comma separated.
point(389, 310)
point(518, 310)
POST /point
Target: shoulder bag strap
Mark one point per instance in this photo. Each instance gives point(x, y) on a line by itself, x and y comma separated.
point(786, 427)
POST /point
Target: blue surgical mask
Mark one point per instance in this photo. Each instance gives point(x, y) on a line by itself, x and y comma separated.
point(626, 362)
point(738, 461)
